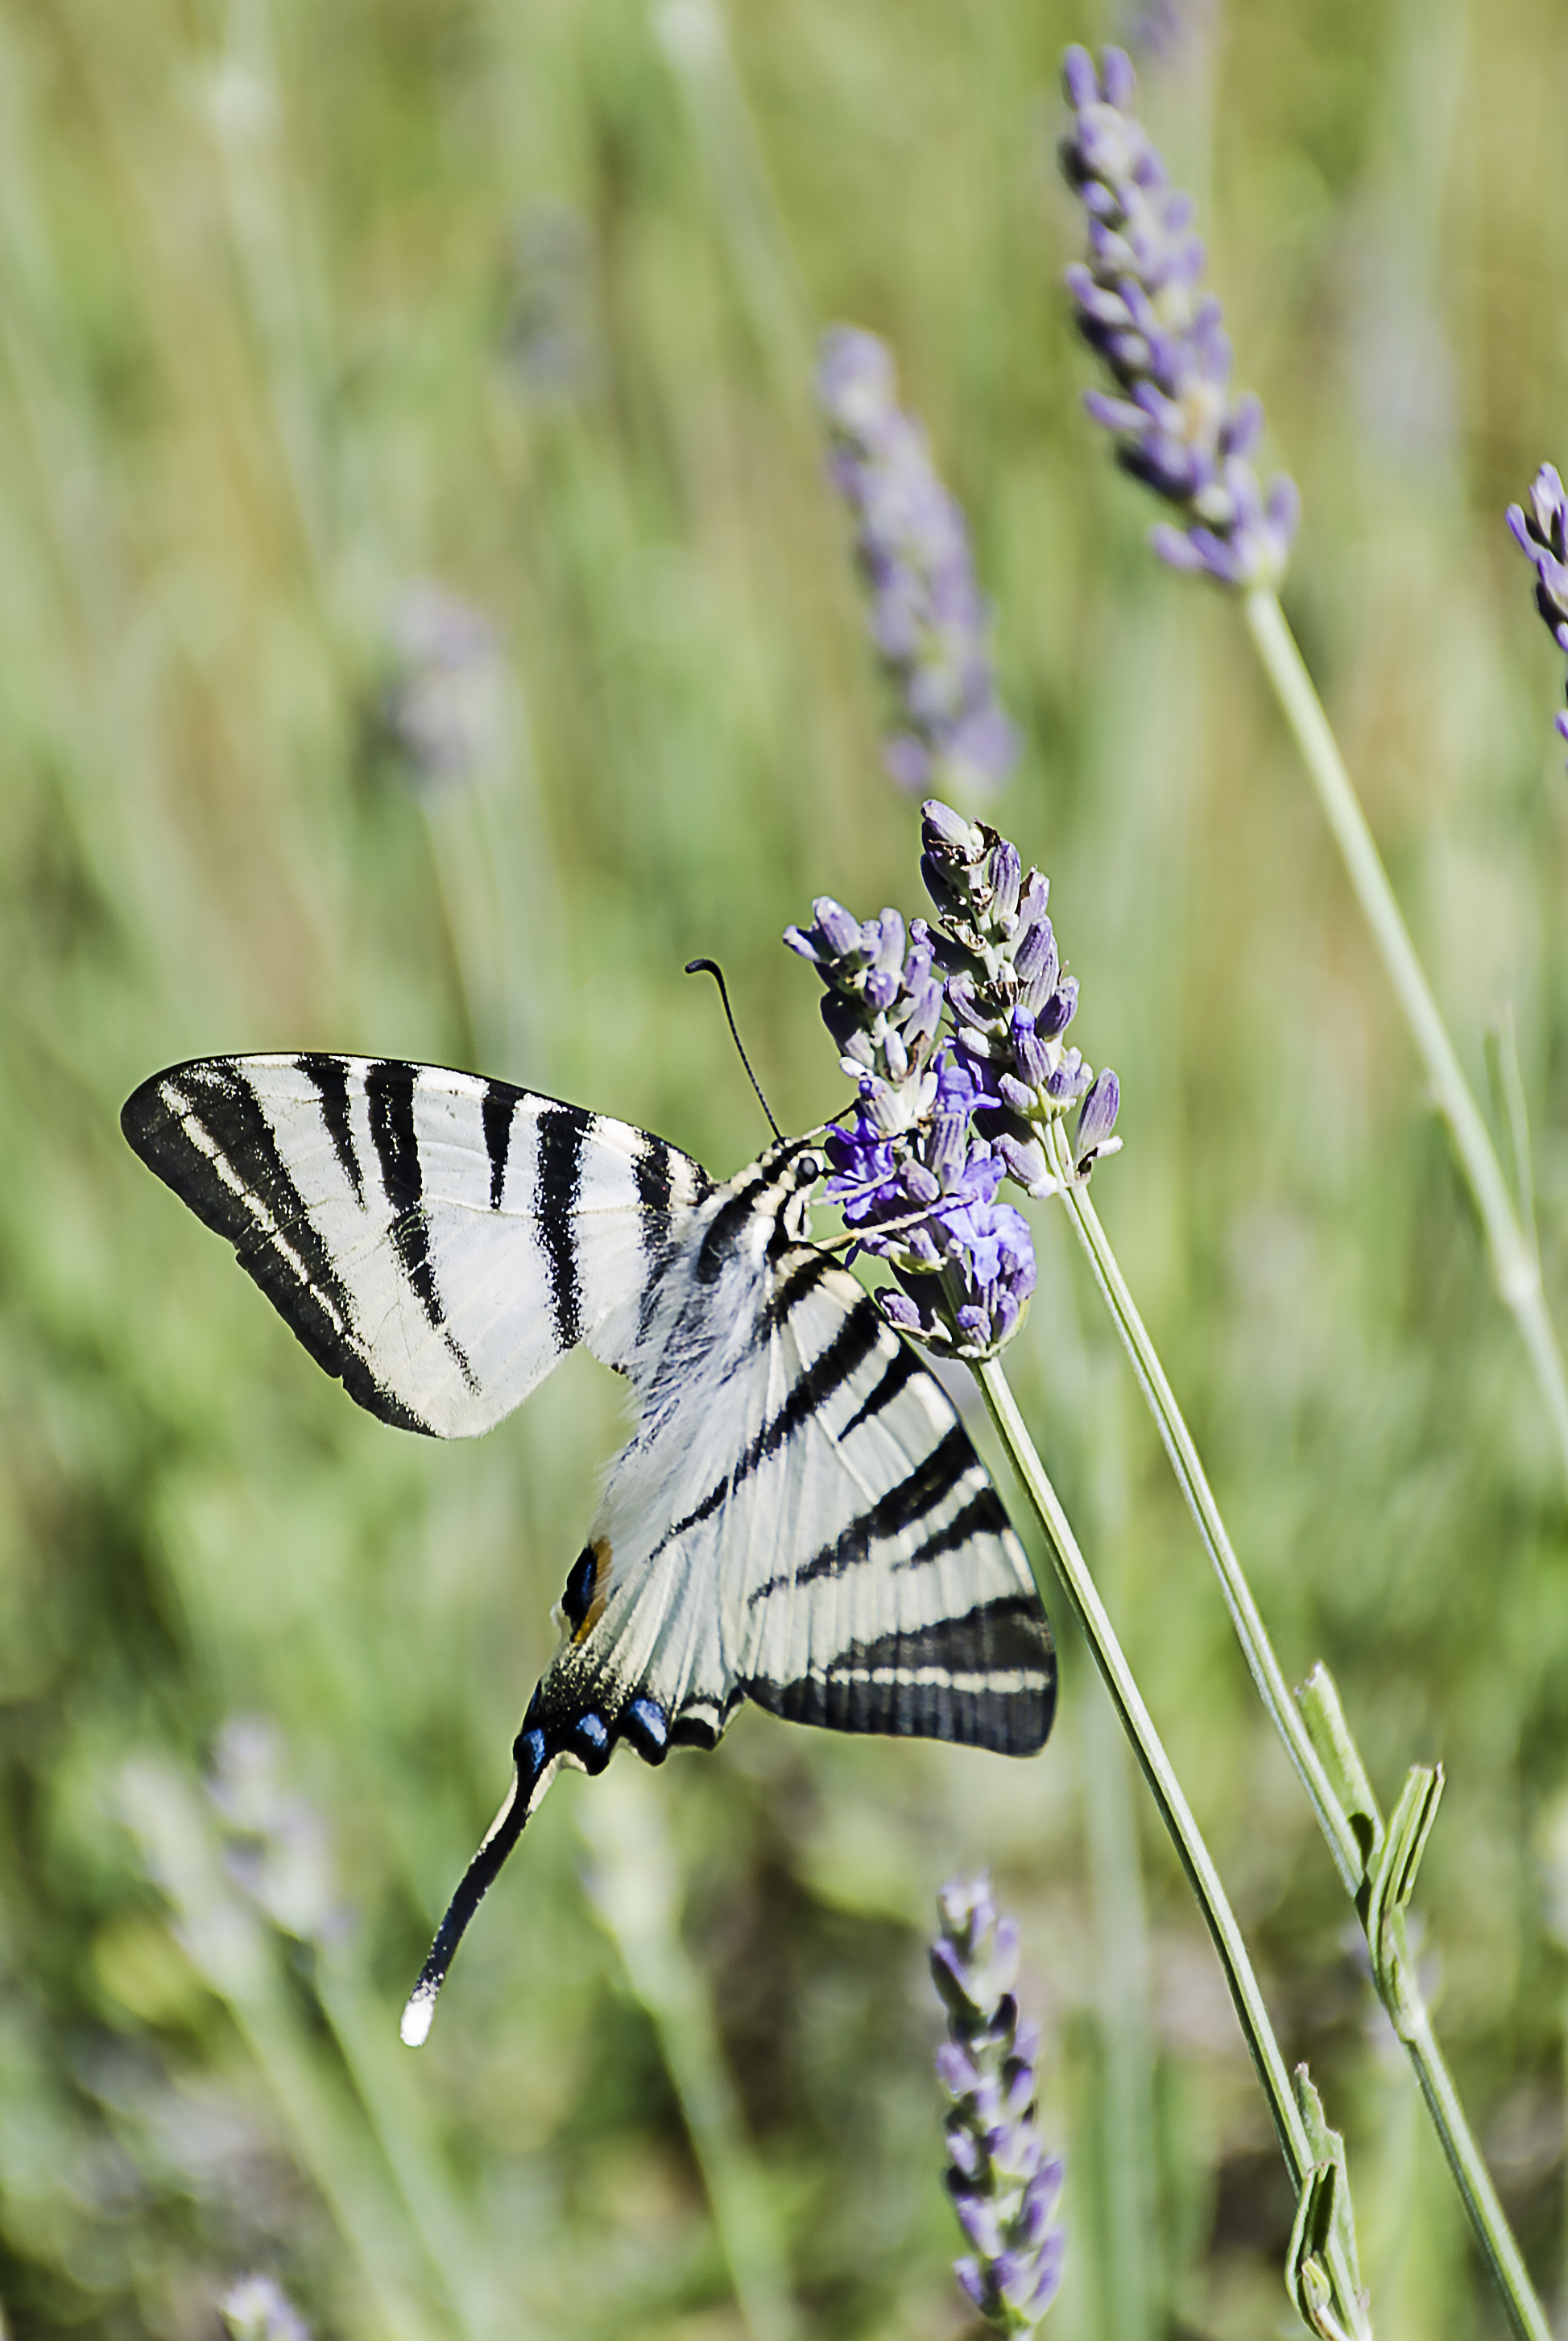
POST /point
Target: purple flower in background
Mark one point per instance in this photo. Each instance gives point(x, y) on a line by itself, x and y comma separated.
point(1141, 307)
point(927, 616)
point(441, 708)
point(257, 2309)
point(277, 1850)
point(1002, 2183)
point(1541, 535)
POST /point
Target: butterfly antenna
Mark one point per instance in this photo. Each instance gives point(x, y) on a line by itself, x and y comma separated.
point(476, 1882)
point(711, 966)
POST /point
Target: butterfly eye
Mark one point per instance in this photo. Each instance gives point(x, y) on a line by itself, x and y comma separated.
point(810, 1168)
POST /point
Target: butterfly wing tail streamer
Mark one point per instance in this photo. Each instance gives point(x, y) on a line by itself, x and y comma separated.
point(535, 1770)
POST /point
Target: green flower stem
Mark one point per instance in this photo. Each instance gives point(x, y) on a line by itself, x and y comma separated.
point(1513, 1260)
point(1395, 1979)
point(1525, 2314)
point(1251, 1632)
point(1196, 1860)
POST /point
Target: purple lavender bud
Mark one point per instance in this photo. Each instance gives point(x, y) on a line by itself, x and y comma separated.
point(1059, 1009)
point(840, 931)
point(1097, 1118)
point(1070, 1080)
point(973, 2280)
point(940, 826)
point(1026, 1161)
point(1030, 1055)
point(1541, 535)
point(1002, 2183)
point(1139, 306)
point(926, 613)
point(899, 1311)
point(1004, 873)
point(1035, 962)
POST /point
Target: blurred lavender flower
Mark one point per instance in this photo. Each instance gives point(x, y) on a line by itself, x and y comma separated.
point(278, 1852)
point(257, 2309)
point(927, 616)
point(549, 336)
point(1002, 2183)
point(1140, 307)
point(1541, 535)
point(441, 708)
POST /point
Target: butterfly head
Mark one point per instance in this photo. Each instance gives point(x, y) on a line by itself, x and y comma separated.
point(781, 1182)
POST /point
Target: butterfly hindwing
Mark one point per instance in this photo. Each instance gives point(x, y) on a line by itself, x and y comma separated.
point(437, 1241)
point(807, 1524)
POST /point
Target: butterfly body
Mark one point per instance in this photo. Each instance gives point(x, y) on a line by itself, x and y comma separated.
point(798, 1517)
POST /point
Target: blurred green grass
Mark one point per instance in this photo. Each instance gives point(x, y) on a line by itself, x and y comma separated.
point(281, 331)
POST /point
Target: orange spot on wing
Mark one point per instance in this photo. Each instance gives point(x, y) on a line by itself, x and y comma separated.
point(595, 1609)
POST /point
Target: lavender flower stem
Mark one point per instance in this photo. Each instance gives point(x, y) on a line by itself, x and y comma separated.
point(1514, 1260)
point(1176, 1814)
point(1192, 1481)
point(1394, 1977)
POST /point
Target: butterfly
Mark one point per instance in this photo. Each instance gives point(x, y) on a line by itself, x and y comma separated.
point(800, 1517)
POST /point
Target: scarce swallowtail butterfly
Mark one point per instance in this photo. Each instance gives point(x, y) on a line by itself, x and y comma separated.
point(800, 1517)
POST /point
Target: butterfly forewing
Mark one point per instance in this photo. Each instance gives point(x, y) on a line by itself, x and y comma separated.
point(437, 1241)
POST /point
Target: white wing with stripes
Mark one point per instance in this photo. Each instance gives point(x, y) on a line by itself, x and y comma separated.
point(437, 1241)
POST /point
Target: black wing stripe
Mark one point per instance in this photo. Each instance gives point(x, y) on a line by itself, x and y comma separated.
point(725, 1227)
point(330, 1076)
point(558, 1181)
point(901, 1369)
point(985, 1679)
point(390, 1090)
point(984, 1514)
point(651, 1173)
point(842, 1358)
point(929, 1484)
point(796, 1285)
point(496, 1113)
point(193, 1133)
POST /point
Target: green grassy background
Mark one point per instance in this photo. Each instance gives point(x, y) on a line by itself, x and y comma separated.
point(297, 305)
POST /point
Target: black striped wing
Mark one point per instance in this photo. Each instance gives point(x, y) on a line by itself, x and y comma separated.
point(437, 1241)
point(825, 1540)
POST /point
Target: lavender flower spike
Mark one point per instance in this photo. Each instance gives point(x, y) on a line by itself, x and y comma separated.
point(1002, 2183)
point(1141, 307)
point(927, 617)
point(441, 705)
point(1541, 535)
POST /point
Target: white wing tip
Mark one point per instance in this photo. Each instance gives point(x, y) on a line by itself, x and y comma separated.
point(417, 2018)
